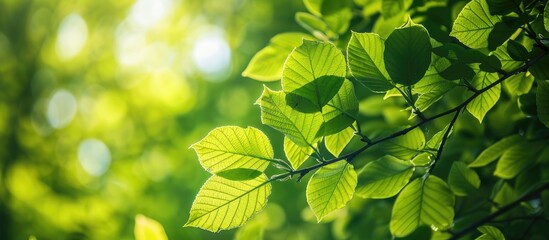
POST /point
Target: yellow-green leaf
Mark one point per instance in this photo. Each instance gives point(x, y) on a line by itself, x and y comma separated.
point(148, 229)
point(224, 204)
point(365, 57)
point(296, 154)
point(518, 158)
point(493, 152)
point(490, 233)
point(301, 128)
point(479, 106)
point(405, 147)
point(331, 187)
point(266, 65)
point(423, 202)
point(341, 111)
point(384, 177)
point(335, 143)
point(233, 147)
point(474, 24)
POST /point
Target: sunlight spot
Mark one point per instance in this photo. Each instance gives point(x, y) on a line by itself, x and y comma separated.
point(61, 109)
point(147, 13)
point(211, 54)
point(71, 36)
point(94, 156)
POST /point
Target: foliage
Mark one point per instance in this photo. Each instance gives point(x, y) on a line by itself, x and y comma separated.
point(441, 66)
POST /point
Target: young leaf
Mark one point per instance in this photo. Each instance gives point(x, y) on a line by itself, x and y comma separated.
point(231, 147)
point(266, 65)
point(424, 201)
point(542, 102)
point(490, 233)
point(365, 57)
point(384, 177)
point(341, 111)
point(331, 187)
point(148, 229)
point(314, 71)
point(493, 152)
point(518, 158)
point(479, 106)
point(474, 23)
point(224, 204)
point(463, 180)
point(407, 54)
point(299, 127)
point(335, 143)
point(406, 146)
point(296, 154)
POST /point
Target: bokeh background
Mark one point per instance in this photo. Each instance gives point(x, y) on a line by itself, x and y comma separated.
point(100, 101)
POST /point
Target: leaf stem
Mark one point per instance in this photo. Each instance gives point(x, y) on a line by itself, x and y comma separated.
point(445, 137)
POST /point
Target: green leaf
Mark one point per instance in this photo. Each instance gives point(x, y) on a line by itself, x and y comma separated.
point(331, 187)
point(337, 14)
point(299, 127)
point(540, 69)
point(517, 51)
point(296, 154)
point(490, 233)
point(232, 147)
point(266, 65)
point(148, 229)
point(384, 177)
point(479, 106)
point(518, 158)
point(341, 111)
point(507, 62)
point(224, 204)
point(474, 23)
point(499, 34)
point(519, 84)
point(404, 147)
point(314, 25)
point(434, 142)
point(335, 143)
point(542, 102)
point(493, 152)
point(463, 180)
point(503, 7)
point(314, 71)
point(365, 57)
point(391, 8)
point(546, 17)
point(407, 54)
point(314, 6)
point(423, 202)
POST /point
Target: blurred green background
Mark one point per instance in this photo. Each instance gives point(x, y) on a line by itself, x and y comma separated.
point(100, 101)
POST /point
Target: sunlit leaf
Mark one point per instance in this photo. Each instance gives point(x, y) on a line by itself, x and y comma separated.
point(493, 152)
point(406, 146)
point(301, 128)
point(490, 233)
point(474, 24)
point(331, 187)
point(479, 106)
point(423, 202)
point(519, 84)
point(407, 54)
point(148, 229)
point(507, 62)
point(542, 102)
point(266, 65)
point(335, 143)
point(463, 180)
point(546, 17)
point(314, 25)
point(365, 57)
point(518, 158)
point(434, 142)
point(232, 147)
point(314, 71)
point(391, 8)
point(337, 14)
point(341, 111)
point(384, 177)
point(296, 154)
point(224, 204)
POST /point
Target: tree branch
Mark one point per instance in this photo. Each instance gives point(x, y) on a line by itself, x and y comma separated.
point(444, 138)
point(504, 209)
